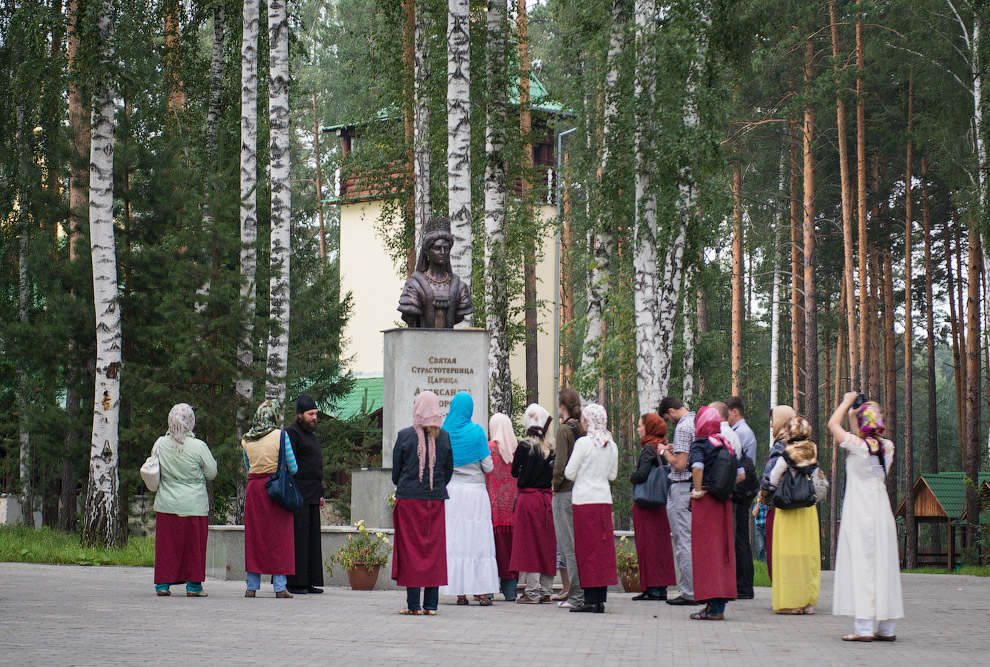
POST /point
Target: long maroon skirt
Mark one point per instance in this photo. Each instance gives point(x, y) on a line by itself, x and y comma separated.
point(653, 548)
point(180, 548)
point(594, 545)
point(503, 552)
point(713, 549)
point(769, 540)
point(419, 559)
point(534, 541)
point(269, 542)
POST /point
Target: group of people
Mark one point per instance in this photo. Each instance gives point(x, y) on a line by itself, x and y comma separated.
point(476, 515)
point(277, 542)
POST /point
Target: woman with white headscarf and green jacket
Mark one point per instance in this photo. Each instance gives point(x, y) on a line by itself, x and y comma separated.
point(182, 505)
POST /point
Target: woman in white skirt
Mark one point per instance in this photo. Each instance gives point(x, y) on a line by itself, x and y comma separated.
point(867, 569)
point(471, 565)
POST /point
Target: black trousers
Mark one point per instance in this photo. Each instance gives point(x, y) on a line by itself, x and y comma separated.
point(595, 595)
point(744, 552)
point(309, 549)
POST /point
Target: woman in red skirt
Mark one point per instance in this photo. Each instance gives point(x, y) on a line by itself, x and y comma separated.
point(269, 544)
point(713, 551)
point(534, 547)
point(422, 464)
point(653, 547)
point(593, 464)
point(502, 492)
point(181, 505)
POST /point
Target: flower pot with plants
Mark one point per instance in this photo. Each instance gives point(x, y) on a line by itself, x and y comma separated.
point(362, 557)
point(627, 564)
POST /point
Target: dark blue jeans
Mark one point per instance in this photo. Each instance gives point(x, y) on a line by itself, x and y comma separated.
point(510, 588)
point(431, 598)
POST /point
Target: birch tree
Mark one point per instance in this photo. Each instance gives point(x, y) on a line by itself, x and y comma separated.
point(278, 123)
point(423, 208)
point(212, 121)
point(496, 295)
point(459, 136)
point(248, 209)
point(645, 229)
point(101, 524)
point(689, 317)
point(24, 309)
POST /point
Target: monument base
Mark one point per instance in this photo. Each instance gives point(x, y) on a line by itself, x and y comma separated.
point(370, 490)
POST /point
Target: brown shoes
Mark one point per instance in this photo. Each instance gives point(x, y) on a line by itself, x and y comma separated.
point(858, 638)
point(201, 594)
point(283, 594)
point(885, 638)
point(249, 594)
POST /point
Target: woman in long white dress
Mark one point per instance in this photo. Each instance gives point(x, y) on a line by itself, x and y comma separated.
point(867, 568)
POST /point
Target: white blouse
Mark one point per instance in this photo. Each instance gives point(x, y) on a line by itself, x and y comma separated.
point(592, 468)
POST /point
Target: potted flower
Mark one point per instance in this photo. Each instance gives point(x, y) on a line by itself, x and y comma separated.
point(361, 557)
point(627, 564)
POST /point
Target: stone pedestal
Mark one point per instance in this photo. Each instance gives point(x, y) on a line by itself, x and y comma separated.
point(370, 489)
point(444, 361)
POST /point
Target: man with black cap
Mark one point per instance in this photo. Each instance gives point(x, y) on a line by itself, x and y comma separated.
point(309, 456)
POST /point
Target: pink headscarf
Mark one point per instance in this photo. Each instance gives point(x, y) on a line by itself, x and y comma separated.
point(708, 424)
point(426, 412)
point(500, 431)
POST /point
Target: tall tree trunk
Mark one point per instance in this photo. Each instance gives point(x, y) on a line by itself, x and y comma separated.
point(408, 126)
point(737, 279)
point(889, 365)
point(459, 137)
point(173, 41)
point(847, 200)
point(24, 160)
point(278, 124)
point(421, 123)
point(873, 322)
point(797, 280)
point(567, 286)
point(499, 378)
point(602, 262)
point(833, 491)
point(645, 230)
point(810, 403)
point(954, 323)
point(212, 158)
point(926, 218)
point(670, 288)
point(775, 299)
point(101, 524)
point(529, 250)
point(689, 323)
point(911, 549)
point(971, 447)
point(318, 163)
point(78, 200)
point(865, 337)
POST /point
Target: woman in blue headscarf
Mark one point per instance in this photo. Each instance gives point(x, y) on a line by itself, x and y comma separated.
point(471, 565)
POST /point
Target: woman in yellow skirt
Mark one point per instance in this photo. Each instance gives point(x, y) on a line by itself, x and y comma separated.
point(797, 565)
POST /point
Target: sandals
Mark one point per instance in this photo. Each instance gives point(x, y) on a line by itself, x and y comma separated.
point(705, 615)
point(808, 611)
point(195, 594)
point(485, 601)
point(462, 600)
point(410, 612)
point(858, 638)
point(792, 612)
point(885, 638)
point(429, 612)
point(163, 594)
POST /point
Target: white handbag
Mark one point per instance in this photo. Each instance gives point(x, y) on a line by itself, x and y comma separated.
point(151, 471)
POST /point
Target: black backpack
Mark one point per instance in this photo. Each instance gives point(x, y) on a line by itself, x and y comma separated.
point(746, 490)
point(720, 475)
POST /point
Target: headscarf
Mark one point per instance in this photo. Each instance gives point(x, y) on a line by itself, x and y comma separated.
point(597, 420)
point(467, 439)
point(799, 451)
point(656, 430)
point(267, 418)
point(869, 419)
point(181, 421)
point(536, 420)
point(426, 412)
point(708, 424)
point(780, 417)
point(501, 432)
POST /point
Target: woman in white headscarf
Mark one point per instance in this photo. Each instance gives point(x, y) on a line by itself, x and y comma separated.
point(502, 492)
point(182, 505)
point(593, 464)
point(534, 546)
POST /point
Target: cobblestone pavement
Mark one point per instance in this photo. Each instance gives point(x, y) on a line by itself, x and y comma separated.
point(68, 615)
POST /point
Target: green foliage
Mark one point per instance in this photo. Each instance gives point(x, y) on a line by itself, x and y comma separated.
point(368, 549)
point(626, 560)
point(25, 545)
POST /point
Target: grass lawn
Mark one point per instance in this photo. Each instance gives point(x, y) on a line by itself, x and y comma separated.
point(26, 545)
point(973, 570)
point(760, 576)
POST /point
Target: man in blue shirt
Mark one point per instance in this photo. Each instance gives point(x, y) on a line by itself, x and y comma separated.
point(744, 552)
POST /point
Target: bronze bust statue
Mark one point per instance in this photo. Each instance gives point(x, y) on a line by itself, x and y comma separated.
point(435, 297)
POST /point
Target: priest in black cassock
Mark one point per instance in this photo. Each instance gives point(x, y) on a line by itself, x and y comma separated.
point(309, 456)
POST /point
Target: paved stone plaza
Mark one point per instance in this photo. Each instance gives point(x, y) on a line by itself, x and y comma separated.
point(68, 615)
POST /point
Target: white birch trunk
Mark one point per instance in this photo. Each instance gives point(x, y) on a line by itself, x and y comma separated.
point(499, 378)
point(981, 156)
point(278, 123)
point(689, 316)
point(423, 207)
point(645, 257)
point(24, 285)
point(775, 295)
point(459, 137)
point(101, 523)
point(244, 385)
point(670, 289)
point(601, 263)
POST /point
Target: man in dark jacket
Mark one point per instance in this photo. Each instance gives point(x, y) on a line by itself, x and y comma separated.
point(309, 550)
